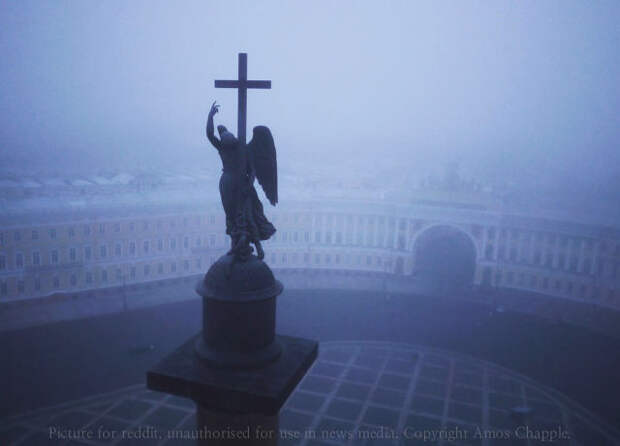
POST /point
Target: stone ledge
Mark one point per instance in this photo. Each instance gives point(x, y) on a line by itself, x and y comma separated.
point(262, 390)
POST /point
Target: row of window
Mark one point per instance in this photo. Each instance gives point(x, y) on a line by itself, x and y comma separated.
point(103, 276)
point(564, 262)
point(133, 247)
point(561, 241)
point(329, 259)
point(101, 228)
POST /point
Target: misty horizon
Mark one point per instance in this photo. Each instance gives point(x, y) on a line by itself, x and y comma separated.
point(507, 90)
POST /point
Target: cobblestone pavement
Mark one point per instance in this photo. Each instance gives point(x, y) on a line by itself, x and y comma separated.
point(356, 393)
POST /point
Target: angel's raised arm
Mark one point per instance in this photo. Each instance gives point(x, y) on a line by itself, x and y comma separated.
point(210, 130)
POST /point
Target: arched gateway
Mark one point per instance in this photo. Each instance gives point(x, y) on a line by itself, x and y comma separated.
point(445, 257)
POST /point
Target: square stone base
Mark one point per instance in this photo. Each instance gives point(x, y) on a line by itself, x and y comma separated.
point(262, 390)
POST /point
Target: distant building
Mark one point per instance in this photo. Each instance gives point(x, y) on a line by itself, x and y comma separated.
point(91, 234)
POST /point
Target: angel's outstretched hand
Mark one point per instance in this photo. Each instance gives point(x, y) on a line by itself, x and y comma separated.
point(214, 108)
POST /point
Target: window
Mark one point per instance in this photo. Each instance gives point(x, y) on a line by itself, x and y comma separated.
point(132, 226)
point(118, 250)
point(86, 230)
point(35, 235)
point(160, 268)
point(574, 261)
point(2, 262)
point(173, 244)
point(119, 274)
point(212, 240)
point(89, 277)
point(104, 276)
point(488, 252)
point(71, 231)
point(160, 244)
point(56, 282)
point(3, 288)
point(586, 266)
point(19, 260)
point(20, 286)
point(73, 280)
point(145, 246)
point(307, 236)
point(501, 252)
point(103, 251)
point(117, 227)
point(87, 253)
point(317, 237)
point(562, 261)
point(173, 267)
point(37, 284)
point(198, 241)
point(186, 265)
point(306, 257)
point(54, 257)
point(17, 236)
point(198, 263)
point(513, 254)
point(132, 248)
point(101, 228)
point(185, 242)
point(72, 254)
point(36, 258)
point(509, 277)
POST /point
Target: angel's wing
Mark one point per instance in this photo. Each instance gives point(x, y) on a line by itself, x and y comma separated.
point(262, 153)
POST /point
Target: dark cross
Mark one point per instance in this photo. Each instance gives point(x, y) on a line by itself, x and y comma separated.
point(242, 84)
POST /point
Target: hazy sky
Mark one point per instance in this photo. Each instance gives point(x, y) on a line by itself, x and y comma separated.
point(518, 83)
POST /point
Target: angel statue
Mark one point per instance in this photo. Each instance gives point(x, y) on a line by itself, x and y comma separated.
point(245, 220)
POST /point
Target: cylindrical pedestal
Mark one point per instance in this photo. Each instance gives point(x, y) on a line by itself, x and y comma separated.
point(237, 405)
point(224, 429)
point(239, 314)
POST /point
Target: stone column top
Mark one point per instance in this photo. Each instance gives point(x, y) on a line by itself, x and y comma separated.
point(236, 281)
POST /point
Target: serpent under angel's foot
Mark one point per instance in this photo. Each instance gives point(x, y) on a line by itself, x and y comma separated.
point(259, 250)
point(242, 249)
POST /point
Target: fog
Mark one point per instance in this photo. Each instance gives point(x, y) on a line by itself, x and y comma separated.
point(436, 163)
point(517, 90)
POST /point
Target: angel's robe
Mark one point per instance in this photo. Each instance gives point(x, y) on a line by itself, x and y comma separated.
point(244, 211)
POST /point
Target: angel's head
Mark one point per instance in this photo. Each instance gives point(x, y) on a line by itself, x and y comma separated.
point(221, 130)
point(226, 137)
